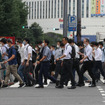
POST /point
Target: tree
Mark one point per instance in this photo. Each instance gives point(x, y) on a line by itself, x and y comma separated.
point(13, 15)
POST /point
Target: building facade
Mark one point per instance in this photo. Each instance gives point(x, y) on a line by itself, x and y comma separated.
point(49, 14)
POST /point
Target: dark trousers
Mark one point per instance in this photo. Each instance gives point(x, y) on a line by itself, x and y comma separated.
point(44, 69)
point(98, 66)
point(58, 68)
point(77, 68)
point(67, 72)
point(27, 70)
point(88, 65)
point(37, 74)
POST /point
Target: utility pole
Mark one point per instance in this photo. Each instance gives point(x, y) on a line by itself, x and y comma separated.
point(78, 20)
point(65, 19)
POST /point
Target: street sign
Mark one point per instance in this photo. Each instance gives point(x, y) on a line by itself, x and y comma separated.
point(72, 23)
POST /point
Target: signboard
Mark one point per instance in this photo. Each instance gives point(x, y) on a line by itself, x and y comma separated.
point(6, 37)
point(97, 8)
point(72, 23)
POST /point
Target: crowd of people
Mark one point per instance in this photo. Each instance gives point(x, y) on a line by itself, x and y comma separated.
point(58, 63)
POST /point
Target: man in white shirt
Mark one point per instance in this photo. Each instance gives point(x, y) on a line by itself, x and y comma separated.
point(97, 54)
point(28, 63)
point(21, 52)
point(87, 62)
point(76, 61)
point(67, 65)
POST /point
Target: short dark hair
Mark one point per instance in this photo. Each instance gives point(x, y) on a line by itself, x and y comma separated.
point(9, 41)
point(39, 42)
point(46, 41)
point(66, 38)
point(62, 45)
point(3, 40)
point(20, 41)
point(87, 40)
point(96, 43)
point(101, 43)
point(80, 43)
point(71, 41)
point(27, 40)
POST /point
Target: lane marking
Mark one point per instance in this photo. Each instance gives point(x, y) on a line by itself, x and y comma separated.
point(103, 94)
point(102, 91)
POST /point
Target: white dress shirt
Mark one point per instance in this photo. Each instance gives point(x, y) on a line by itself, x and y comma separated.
point(88, 52)
point(21, 51)
point(67, 51)
point(27, 50)
point(98, 54)
point(76, 51)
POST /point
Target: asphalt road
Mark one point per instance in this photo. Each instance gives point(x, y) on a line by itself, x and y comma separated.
point(52, 96)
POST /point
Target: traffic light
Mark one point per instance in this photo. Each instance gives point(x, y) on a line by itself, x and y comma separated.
point(23, 27)
point(54, 29)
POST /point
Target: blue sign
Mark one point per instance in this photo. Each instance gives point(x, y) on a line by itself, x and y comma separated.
point(72, 23)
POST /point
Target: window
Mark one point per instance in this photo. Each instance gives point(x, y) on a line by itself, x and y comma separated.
point(73, 7)
point(40, 9)
point(55, 10)
point(87, 8)
point(37, 9)
point(69, 6)
point(46, 9)
point(49, 9)
point(32, 10)
point(62, 8)
point(52, 10)
point(29, 10)
point(82, 8)
point(58, 8)
point(43, 9)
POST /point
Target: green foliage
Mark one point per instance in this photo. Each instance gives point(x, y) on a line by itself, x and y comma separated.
point(13, 15)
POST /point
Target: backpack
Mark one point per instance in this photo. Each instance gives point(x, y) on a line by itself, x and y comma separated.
point(73, 53)
point(34, 55)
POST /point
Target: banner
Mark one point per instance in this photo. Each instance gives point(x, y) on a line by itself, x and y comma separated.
point(97, 8)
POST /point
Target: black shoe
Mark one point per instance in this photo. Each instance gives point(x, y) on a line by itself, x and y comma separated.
point(21, 85)
point(80, 85)
point(4, 86)
point(40, 86)
point(60, 87)
point(33, 82)
point(57, 83)
point(93, 85)
point(72, 87)
point(45, 83)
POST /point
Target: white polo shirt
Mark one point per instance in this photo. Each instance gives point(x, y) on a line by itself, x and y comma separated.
point(98, 54)
point(88, 52)
point(67, 51)
point(27, 50)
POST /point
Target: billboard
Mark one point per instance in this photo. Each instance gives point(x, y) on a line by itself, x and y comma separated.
point(97, 8)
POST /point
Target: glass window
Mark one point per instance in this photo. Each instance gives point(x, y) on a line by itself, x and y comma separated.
point(46, 9)
point(73, 7)
point(52, 10)
point(40, 9)
point(35, 11)
point(62, 8)
point(82, 8)
point(69, 6)
point(87, 8)
point(29, 10)
point(43, 9)
point(55, 10)
point(32, 10)
point(49, 9)
point(58, 8)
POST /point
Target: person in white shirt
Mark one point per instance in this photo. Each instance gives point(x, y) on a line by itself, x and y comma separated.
point(67, 65)
point(28, 67)
point(21, 52)
point(76, 62)
point(97, 54)
point(87, 62)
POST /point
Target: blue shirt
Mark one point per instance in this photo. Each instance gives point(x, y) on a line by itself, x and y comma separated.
point(12, 51)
